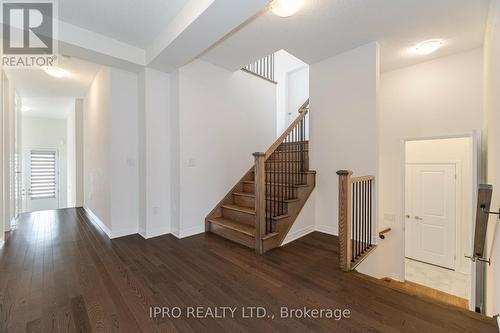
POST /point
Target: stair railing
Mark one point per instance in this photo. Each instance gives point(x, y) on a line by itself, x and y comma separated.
point(356, 222)
point(263, 68)
point(277, 172)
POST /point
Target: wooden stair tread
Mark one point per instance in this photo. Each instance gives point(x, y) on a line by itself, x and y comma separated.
point(233, 225)
point(239, 208)
point(251, 195)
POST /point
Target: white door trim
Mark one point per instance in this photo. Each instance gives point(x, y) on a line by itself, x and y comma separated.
point(476, 176)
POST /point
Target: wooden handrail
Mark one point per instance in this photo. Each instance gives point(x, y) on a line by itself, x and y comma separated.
point(382, 233)
point(361, 179)
point(303, 112)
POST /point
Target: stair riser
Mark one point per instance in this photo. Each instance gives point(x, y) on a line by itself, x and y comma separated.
point(244, 201)
point(238, 216)
point(249, 188)
point(233, 235)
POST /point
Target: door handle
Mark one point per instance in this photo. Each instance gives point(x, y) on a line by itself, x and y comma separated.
point(407, 216)
point(418, 218)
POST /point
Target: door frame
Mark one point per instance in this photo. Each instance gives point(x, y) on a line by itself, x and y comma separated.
point(26, 160)
point(458, 199)
point(475, 136)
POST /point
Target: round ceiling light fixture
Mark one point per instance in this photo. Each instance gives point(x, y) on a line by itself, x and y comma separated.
point(428, 47)
point(286, 8)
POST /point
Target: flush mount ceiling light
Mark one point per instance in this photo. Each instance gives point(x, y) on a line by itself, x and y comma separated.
point(428, 47)
point(286, 8)
point(55, 72)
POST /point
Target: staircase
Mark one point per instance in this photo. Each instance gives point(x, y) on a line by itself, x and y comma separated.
point(261, 208)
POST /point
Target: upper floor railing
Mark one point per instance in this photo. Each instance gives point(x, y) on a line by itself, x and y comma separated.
point(263, 67)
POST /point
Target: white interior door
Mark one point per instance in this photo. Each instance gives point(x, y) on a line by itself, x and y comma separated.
point(42, 180)
point(431, 213)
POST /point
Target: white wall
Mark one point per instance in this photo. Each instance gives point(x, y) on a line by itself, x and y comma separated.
point(79, 190)
point(438, 98)
point(458, 150)
point(492, 114)
point(155, 200)
point(71, 158)
point(97, 148)
point(287, 92)
point(124, 104)
point(343, 125)
point(9, 150)
point(223, 118)
point(297, 92)
point(111, 176)
point(2, 183)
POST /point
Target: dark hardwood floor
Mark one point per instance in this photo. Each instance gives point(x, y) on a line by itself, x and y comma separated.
point(59, 273)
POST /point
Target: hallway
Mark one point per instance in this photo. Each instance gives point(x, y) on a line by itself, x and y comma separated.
point(60, 273)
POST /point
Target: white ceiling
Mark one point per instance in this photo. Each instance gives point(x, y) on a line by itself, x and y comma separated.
point(58, 108)
point(129, 21)
point(35, 83)
point(324, 28)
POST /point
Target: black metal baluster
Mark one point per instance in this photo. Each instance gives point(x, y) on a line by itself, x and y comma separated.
point(281, 188)
point(353, 232)
point(356, 222)
point(268, 209)
point(367, 213)
point(295, 155)
point(355, 202)
point(370, 208)
point(273, 194)
point(302, 147)
point(359, 219)
point(365, 207)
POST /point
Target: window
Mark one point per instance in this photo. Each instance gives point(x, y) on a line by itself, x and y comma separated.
point(43, 174)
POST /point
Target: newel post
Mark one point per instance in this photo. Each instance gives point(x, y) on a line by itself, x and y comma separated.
point(260, 200)
point(345, 219)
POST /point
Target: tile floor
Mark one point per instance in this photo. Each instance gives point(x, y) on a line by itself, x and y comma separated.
point(439, 278)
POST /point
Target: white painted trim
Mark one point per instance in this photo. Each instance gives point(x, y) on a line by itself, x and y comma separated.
point(97, 221)
point(147, 234)
point(498, 321)
point(123, 232)
point(183, 233)
point(298, 234)
point(327, 229)
point(110, 232)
